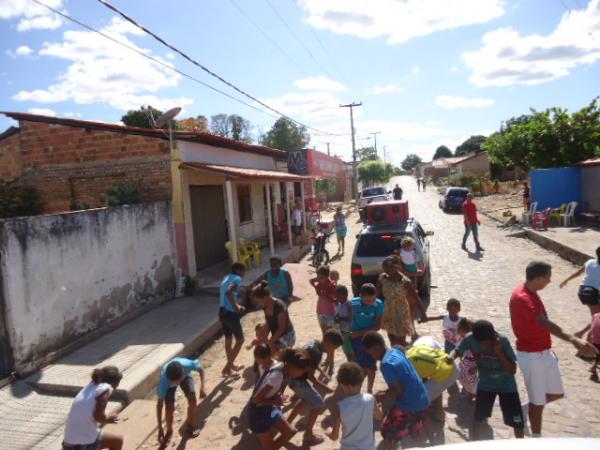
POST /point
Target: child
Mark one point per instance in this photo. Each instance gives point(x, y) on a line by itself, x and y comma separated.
point(450, 324)
point(467, 366)
point(343, 317)
point(177, 372)
point(497, 366)
point(334, 276)
point(264, 409)
point(307, 394)
point(229, 316)
point(325, 289)
point(409, 257)
point(595, 338)
point(355, 412)
point(262, 333)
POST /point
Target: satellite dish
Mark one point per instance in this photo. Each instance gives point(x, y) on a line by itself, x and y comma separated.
point(167, 117)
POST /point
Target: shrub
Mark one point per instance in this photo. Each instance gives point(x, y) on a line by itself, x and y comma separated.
point(189, 286)
point(17, 200)
point(121, 194)
point(459, 179)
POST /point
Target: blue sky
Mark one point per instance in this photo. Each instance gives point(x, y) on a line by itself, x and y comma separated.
point(428, 72)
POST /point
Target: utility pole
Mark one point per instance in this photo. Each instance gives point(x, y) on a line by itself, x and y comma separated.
point(328, 154)
point(385, 153)
point(354, 171)
point(375, 137)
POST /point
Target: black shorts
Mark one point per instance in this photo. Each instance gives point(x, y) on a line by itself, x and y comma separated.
point(510, 404)
point(589, 295)
point(232, 325)
point(187, 386)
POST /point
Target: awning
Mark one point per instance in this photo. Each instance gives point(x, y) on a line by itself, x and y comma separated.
point(242, 173)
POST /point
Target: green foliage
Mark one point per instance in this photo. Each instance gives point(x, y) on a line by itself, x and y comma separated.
point(121, 194)
point(326, 186)
point(411, 161)
point(461, 180)
point(189, 286)
point(442, 152)
point(17, 200)
point(471, 145)
point(231, 126)
point(366, 154)
point(398, 172)
point(550, 138)
point(474, 186)
point(286, 135)
point(375, 171)
point(139, 117)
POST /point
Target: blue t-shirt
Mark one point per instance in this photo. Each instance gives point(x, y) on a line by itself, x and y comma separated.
point(395, 366)
point(164, 383)
point(364, 316)
point(493, 376)
point(227, 281)
point(279, 285)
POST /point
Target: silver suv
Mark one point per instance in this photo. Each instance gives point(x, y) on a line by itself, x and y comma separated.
point(376, 242)
point(372, 194)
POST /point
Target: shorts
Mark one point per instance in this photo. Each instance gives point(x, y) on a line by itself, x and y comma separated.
point(288, 340)
point(93, 446)
point(510, 404)
point(326, 320)
point(341, 232)
point(542, 375)
point(187, 386)
point(307, 393)
point(399, 424)
point(589, 295)
point(448, 346)
point(412, 268)
point(262, 418)
point(347, 343)
point(363, 359)
point(232, 325)
point(437, 388)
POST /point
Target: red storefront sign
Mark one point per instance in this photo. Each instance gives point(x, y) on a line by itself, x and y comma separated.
point(324, 166)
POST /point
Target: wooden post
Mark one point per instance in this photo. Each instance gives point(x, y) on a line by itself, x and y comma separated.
point(270, 219)
point(231, 221)
point(303, 205)
point(288, 213)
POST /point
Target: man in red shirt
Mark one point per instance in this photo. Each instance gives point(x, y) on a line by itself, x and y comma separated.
point(532, 328)
point(471, 222)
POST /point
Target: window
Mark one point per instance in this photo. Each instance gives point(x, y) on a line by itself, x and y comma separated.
point(244, 202)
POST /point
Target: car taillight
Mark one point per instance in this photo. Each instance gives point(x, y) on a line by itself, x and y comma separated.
point(356, 270)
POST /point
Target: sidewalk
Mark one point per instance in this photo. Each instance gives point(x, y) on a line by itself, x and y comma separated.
point(575, 244)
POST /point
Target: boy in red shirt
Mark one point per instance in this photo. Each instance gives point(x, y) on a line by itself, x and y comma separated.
point(469, 210)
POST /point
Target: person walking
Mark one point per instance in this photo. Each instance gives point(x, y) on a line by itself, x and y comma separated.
point(424, 184)
point(397, 192)
point(340, 229)
point(229, 316)
point(297, 222)
point(526, 196)
point(533, 330)
point(419, 184)
point(472, 223)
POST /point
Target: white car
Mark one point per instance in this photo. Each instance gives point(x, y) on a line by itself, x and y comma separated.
point(373, 194)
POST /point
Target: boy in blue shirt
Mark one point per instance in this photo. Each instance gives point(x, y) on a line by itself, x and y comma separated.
point(229, 315)
point(367, 311)
point(496, 363)
point(177, 372)
point(405, 386)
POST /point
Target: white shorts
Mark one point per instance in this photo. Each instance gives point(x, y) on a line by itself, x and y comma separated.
point(542, 375)
point(437, 388)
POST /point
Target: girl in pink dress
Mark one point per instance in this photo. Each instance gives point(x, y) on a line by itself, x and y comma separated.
point(467, 366)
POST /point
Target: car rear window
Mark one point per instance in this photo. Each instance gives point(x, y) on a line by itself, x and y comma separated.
point(373, 192)
point(457, 193)
point(381, 245)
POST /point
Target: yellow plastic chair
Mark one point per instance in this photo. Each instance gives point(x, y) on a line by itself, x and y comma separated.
point(242, 256)
point(557, 213)
point(253, 250)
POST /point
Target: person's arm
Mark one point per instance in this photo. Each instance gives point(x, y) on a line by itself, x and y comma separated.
point(432, 318)
point(575, 275)
point(229, 294)
point(337, 421)
point(159, 419)
point(455, 353)
point(509, 365)
point(318, 383)
point(412, 295)
point(100, 415)
point(288, 279)
point(281, 329)
point(261, 399)
point(377, 411)
point(313, 282)
point(585, 348)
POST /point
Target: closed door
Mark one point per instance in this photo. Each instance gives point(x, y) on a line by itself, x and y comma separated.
point(210, 225)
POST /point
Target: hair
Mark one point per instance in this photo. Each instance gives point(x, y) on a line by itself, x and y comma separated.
point(465, 324)
point(237, 267)
point(296, 357)
point(373, 339)
point(406, 241)
point(334, 272)
point(483, 330)
point(341, 289)
point(262, 351)
point(107, 374)
point(334, 337)
point(323, 270)
point(258, 327)
point(452, 302)
point(276, 258)
point(261, 290)
point(175, 371)
point(350, 374)
point(598, 254)
point(368, 289)
point(536, 269)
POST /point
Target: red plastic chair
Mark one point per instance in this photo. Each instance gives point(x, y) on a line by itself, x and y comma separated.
point(540, 219)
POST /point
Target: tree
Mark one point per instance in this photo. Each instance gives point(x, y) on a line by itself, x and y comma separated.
point(139, 117)
point(231, 126)
point(442, 152)
point(374, 171)
point(286, 135)
point(411, 161)
point(199, 124)
point(366, 154)
point(471, 145)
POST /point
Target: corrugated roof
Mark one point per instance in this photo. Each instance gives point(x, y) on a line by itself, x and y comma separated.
point(590, 162)
point(190, 136)
point(243, 173)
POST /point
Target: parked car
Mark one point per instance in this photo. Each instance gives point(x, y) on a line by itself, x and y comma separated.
point(453, 198)
point(373, 194)
point(376, 242)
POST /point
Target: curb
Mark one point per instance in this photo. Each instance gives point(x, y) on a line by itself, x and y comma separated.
point(568, 253)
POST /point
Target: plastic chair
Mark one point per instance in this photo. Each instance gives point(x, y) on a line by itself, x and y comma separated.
point(242, 255)
point(527, 216)
point(253, 250)
point(540, 219)
point(557, 212)
point(568, 218)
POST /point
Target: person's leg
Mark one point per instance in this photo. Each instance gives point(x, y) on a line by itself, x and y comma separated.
point(286, 433)
point(295, 411)
point(309, 435)
point(466, 235)
point(477, 425)
point(512, 412)
point(169, 410)
point(111, 441)
point(266, 441)
point(235, 352)
point(484, 403)
point(535, 418)
point(228, 347)
point(187, 386)
point(475, 231)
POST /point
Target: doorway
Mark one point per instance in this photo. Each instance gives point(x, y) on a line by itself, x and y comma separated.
point(209, 224)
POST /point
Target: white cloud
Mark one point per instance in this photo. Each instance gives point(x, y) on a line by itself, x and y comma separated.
point(22, 50)
point(170, 55)
point(308, 106)
point(454, 102)
point(385, 89)
point(73, 114)
point(399, 21)
point(507, 58)
point(104, 72)
point(320, 83)
point(454, 69)
point(415, 70)
point(32, 16)
point(42, 111)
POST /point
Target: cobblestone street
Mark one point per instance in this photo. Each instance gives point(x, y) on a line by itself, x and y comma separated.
point(483, 284)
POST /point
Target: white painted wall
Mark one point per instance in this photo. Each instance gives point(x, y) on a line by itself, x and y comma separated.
point(65, 275)
point(207, 154)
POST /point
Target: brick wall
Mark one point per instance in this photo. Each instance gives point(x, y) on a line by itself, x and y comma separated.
point(71, 166)
point(10, 161)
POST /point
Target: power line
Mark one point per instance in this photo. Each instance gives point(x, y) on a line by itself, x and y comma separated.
point(265, 34)
point(204, 68)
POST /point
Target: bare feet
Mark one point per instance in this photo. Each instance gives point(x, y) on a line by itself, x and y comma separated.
point(312, 439)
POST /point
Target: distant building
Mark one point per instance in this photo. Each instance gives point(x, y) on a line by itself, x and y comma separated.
point(473, 164)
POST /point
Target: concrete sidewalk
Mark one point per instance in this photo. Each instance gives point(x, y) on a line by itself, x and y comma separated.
point(575, 244)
